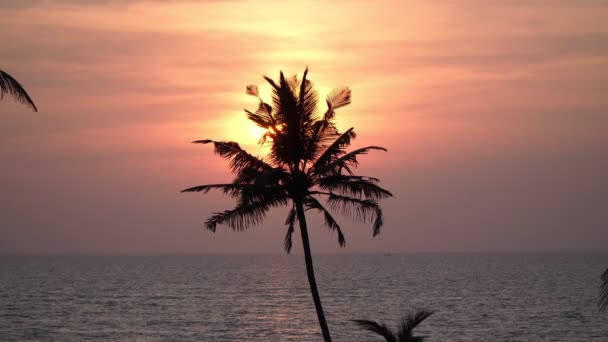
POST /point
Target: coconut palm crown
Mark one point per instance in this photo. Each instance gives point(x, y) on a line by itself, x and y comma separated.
point(404, 332)
point(308, 161)
point(10, 86)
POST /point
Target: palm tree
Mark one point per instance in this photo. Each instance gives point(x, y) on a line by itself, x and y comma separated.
point(603, 302)
point(307, 160)
point(9, 85)
point(404, 333)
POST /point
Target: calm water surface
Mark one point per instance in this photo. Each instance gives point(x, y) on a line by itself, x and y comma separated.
point(477, 297)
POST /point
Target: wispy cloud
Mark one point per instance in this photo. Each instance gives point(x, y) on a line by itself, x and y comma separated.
point(458, 91)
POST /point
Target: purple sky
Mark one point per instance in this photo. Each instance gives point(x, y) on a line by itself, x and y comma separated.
point(495, 116)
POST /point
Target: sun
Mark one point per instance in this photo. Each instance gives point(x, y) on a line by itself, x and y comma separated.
point(254, 132)
point(238, 128)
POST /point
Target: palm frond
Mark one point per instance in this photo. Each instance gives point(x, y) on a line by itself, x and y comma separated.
point(322, 130)
point(411, 321)
point(304, 86)
point(324, 133)
point(311, 133)
point(339, 97)
point(272, 177)
point(271, 82)
point(377, 328)
point(330, 222)
point(293, 83)
point(285, 102)
point(240, 160)
point(252, 90)
point(231, 189)
point(378, 222)
point(334, 150)
point(244, 215)
point(357, 186)
point(290, 222)
point(365, 210)
point(261, 193)
point(9, 85)
point(603, 302)
point(307, 103)
point(262, 117)
point(288, 137)
point(345, 162)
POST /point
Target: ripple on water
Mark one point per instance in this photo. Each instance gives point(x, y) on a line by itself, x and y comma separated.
point(527, 297)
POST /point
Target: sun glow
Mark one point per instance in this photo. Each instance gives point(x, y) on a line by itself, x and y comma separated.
point(238, 128)
point(233, 125)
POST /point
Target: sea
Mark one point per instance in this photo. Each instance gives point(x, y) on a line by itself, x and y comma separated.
point(475, 297)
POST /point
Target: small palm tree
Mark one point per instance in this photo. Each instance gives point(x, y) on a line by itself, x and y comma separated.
point(9, 85)
point(405, 331)
point(307, 160)
point(603, 302)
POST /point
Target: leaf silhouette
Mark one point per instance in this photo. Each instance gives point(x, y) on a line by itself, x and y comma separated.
point(404, 332)
point(252, 90)
point(10, 86)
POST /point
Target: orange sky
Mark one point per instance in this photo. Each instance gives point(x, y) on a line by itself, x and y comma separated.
point(494, 115)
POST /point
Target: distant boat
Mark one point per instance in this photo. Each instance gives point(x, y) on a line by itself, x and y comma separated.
point(387, 254)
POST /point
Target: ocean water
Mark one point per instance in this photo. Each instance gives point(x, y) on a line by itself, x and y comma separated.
point(477, 297)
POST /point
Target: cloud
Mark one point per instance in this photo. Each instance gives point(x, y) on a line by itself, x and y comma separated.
point(20, 5)
point(499, 103)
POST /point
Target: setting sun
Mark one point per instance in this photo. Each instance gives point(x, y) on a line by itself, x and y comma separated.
point(485, 119)
point(234, 125)
point(238, 128)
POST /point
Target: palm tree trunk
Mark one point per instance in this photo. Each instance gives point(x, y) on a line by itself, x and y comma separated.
point(311, 272)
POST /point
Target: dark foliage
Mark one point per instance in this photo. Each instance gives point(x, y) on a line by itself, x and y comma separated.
point(308, 161)
point(405, 331)
point(10, 86)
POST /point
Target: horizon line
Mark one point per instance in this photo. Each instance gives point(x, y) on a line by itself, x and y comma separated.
point(387, 253)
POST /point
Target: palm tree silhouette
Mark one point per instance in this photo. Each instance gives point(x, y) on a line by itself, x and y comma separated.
point(603, 302)
point(9, 85)
point(307, 160)
point(405, 331)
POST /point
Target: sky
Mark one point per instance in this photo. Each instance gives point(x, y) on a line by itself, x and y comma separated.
point(494, 114)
